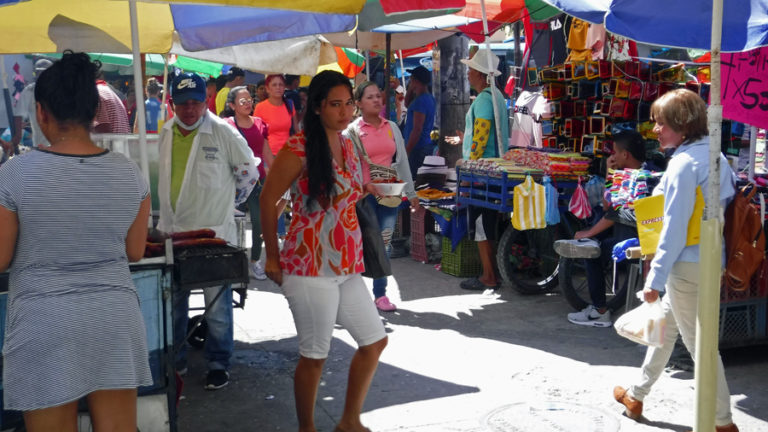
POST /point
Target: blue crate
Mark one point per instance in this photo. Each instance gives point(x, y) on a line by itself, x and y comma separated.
point(743, 323)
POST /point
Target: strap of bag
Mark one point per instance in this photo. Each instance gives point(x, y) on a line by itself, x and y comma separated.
point(359, 145)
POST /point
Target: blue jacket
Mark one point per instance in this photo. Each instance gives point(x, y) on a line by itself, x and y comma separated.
point(688, 168)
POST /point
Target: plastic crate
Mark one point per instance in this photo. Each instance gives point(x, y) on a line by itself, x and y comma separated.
point(758, 287)
point(464, 261)
point(743, 323)
point(422, 223)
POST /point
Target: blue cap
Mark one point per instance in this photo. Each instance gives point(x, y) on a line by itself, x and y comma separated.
point(188, 86)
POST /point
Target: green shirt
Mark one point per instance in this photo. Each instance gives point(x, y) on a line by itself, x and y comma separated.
point(182, 145)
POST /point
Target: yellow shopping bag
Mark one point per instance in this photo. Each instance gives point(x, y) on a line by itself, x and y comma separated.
point(650, 219)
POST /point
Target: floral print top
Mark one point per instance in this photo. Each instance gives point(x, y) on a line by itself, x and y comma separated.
point(324, 242)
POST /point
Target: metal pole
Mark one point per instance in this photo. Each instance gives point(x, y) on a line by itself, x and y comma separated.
point(752, 150)
point(502, 147)
point(164, 94)
point(708, 313)
point(387, 65)
point(141, 115)
point(368, 64)
point(402, 67)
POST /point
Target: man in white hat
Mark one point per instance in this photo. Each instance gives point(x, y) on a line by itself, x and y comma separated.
point(480, 141)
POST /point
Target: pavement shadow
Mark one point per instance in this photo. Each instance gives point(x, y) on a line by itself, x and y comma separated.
point(260, 392)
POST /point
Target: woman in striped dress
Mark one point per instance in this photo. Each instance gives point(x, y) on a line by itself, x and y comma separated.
point(73, 216)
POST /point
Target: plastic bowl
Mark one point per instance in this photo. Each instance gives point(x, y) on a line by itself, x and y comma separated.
point(389, 189)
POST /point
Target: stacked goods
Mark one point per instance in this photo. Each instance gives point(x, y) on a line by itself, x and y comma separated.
point(627, 186)
point(588, 99)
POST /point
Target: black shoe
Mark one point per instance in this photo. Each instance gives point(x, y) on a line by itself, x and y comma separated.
point(216, 379)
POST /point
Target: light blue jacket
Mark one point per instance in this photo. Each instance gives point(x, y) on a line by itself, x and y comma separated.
point(688, 168)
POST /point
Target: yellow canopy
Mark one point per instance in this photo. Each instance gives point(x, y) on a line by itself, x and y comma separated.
point(83, 25)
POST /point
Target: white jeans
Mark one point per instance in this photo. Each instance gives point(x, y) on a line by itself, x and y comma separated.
point(680, 305)
point(317, 303)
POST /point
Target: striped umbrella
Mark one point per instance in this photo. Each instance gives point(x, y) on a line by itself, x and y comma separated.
point(350, 61)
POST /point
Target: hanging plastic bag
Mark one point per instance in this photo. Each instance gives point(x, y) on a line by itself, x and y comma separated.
point(595, 188)
point(579, 204)
point(552, 213)
point(644, 324)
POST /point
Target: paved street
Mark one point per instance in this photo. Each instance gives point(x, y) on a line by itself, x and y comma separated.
point(459, 361)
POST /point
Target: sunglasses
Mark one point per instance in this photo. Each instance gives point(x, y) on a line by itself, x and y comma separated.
point(244, 101)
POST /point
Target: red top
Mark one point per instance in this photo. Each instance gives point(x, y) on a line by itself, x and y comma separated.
point(255, 136)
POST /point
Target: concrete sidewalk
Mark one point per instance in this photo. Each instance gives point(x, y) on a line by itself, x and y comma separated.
point(459, 361)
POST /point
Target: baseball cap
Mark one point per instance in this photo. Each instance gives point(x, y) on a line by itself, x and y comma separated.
point(188, 86)
point(422, 74)
point(42, 65)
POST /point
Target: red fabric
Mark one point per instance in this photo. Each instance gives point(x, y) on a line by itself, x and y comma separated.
point(475, 30)
point(395, 6)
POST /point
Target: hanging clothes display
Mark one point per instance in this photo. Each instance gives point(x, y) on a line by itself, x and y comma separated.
point(529, 109)
point(530, 205)
point(548, 46)
point(620, 48)
point(552, 214)
point(596, 41)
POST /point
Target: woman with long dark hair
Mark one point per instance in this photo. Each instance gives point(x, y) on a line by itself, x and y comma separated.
point(73, 216)
point(321, 261)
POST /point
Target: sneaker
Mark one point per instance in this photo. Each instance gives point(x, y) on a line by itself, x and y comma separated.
point(257, 271)
point(633, 407)
point(582, 248)
point(216, 379)
point(383, 304)
point(590, 316)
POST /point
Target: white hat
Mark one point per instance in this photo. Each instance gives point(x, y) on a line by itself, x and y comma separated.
point(479, 62)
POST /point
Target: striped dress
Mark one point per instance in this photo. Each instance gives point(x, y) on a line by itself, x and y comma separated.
point(73, 322)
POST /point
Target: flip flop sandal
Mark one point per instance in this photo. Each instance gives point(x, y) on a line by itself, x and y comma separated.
point(474, 284)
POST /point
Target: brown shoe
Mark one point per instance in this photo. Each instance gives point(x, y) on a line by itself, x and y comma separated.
point(727, 428)
point(634, 408)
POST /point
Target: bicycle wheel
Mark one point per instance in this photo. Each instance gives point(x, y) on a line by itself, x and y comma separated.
point(527, 260)
point(573, 284)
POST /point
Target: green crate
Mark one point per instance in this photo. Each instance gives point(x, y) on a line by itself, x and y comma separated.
point(464, 261)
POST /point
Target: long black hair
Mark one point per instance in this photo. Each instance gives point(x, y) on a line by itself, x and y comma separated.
point(68, 91)
point(318, 151)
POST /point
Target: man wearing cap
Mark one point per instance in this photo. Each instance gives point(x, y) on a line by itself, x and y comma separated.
point(26, 109)
point(420, 118)
point(479, 141)
point(206, 168)
point(235, 77)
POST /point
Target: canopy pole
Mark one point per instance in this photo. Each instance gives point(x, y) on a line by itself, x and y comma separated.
point(368, 64)
point(138, 86)
point(492, 82)
point(164, 93)
point(752, 150)
point(710, 264)
point(387, 75)
point(402, 68)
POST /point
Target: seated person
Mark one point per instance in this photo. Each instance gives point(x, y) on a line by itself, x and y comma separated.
point(613, 227)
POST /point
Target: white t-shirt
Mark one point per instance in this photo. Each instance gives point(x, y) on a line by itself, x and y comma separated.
point(526, 127)
point(26, 109)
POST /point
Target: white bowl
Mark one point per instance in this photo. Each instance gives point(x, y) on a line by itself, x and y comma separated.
point(389, 189)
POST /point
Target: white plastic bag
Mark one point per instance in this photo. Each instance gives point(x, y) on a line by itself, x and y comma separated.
point(644, 324)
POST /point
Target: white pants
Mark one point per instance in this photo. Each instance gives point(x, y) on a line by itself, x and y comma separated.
point(317, 303)
point(680, 305)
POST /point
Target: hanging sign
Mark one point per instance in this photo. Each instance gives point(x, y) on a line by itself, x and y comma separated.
point(744, 86)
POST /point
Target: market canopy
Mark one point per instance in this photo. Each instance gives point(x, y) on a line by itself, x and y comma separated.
point(684, 24)
point(103, 26)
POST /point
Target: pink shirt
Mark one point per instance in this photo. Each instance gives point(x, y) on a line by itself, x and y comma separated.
point(324, 242)
point(255, 136)
point(379, 143)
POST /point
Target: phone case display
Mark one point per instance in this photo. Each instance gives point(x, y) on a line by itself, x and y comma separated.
point(589, 99)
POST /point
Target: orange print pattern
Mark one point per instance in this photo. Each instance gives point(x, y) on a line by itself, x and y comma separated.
point(324, 242)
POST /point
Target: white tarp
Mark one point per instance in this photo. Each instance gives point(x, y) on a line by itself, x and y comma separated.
point(297, 56)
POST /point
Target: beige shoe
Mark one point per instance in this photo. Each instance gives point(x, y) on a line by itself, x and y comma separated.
point(634, 407)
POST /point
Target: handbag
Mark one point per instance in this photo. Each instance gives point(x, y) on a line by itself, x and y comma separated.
point(650, 221)
point(375, 258)
point(378, 172)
